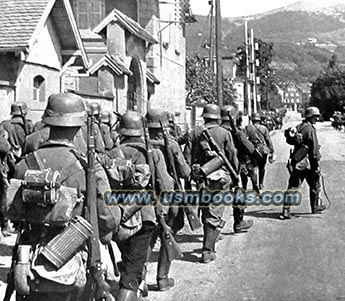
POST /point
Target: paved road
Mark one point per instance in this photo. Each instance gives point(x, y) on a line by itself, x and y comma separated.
point(301, 259)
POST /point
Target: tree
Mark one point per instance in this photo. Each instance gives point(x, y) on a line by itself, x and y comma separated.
point(201, 83)
point(328, 90)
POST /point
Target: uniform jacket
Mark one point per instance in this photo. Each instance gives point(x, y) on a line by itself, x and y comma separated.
point(59, 155)
point(134, 149)
point(310, 139)
point(196, 150)
point(16, 130)
point(182, 168)
point(259, 131)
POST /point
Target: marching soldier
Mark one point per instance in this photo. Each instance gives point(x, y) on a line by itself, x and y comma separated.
point(5, 149)
point(245, 150)
point(304, 161)
point(156, 120)
point(106, 129)
point(199, 152)
point(259, 135)
point(134, 250)
point(18, 127)
point(34, 276)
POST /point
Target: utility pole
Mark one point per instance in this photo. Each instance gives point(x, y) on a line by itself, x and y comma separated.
point(247, 82)
point(253, 69)
point(219, 55)
point(211, 36)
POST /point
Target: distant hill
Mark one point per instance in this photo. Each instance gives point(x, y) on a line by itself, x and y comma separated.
point(304, 36)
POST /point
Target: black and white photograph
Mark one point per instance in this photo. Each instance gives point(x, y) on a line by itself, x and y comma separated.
point(164, 150)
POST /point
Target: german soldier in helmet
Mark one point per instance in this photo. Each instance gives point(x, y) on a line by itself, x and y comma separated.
point(199, 153)
point(157, 119)
point(18, 127)
point(245, 150)
point(135, 249)
point(259, 135)
point(44, 217)
point(304, 161)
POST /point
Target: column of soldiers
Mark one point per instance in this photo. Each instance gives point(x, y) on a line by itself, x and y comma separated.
point(143, 155)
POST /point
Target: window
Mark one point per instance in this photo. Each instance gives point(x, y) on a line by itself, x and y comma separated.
point(39, 89)
point(89, 13)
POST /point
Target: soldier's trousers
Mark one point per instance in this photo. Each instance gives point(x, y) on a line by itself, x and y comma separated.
point(134, 253)
point(253, 175)
point(262, 165)
point(313, 179)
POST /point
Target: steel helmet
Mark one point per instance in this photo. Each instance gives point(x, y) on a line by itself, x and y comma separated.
point(131, 124)
point(170, 117)
point(256, 117)
point(96, 108)
point(154, 117)
point(224, 112)
point(311, 111)
point(65, 109)
point(19, 108)
point(106, 117)
point(211, 111)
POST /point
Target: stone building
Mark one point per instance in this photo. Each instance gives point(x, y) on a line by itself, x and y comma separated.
point(39, 40)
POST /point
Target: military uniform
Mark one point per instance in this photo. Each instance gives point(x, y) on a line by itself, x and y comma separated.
point(308, 167)
point(245, 151)
point(5, 149)
point(259, 133)
point(135, 249)
point(18, 127)
point(198, 152)
point(37, 281)
point(175, 216)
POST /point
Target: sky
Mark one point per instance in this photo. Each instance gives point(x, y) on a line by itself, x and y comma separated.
point(236, 8)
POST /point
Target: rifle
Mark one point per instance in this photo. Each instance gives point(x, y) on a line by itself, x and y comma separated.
point(215, 147)
point(192, 217)
point(172, 248)
point(232, 124)
point(96, 288)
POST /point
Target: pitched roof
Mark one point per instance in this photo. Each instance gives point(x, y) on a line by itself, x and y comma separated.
point(151, 77)
point(113, 63)
point(22, 20)
point(132, 26)
point(18, 21)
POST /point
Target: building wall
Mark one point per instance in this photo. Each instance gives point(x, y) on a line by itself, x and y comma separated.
point(24, 84)
point(128, 7)
point(47, 49)
point(7, 94)
point(167, 62)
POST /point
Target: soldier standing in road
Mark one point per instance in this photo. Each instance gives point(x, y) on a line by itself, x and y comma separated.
point(134, 250)
point(18, 127)
point(304, 160)
point(199, 152)
point(34, 277)
point(248, 167)
point(175, 217)
point(259, 135)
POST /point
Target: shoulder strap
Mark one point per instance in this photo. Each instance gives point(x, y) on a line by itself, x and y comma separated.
point(73, 166)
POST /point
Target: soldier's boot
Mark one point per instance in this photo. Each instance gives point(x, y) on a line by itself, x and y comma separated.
point(127, 295)
point(240, 225)
point(164, 283)
point(286, 213)
point(316, 205)
point(261, 178)
point(209, 244)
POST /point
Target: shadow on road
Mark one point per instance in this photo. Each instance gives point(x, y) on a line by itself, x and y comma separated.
point(264, 214)
point(189, 238)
